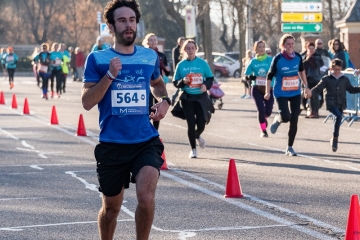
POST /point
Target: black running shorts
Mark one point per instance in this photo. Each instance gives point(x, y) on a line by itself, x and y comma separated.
point(118, 164)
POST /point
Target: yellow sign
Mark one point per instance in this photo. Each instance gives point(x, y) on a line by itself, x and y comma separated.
point(301, 17)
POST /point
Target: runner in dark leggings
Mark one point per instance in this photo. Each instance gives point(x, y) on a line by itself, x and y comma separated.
point(194, 77)
point(256, 72)
point(288, 69)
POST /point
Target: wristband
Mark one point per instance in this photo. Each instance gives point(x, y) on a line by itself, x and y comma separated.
point(110, 76)
point(306, 86)
point(166, 99)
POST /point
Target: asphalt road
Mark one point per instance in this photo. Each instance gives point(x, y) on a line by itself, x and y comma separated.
point(48, 184)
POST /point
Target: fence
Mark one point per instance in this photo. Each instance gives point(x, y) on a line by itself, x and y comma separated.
point(352, 102)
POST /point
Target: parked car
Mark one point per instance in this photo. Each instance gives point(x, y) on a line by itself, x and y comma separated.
point(220, 71)
point(226, 61)
point(234, 55)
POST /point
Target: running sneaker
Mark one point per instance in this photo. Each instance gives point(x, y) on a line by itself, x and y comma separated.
point(201, 142)
point(248, 97)
point(264, 134)
point(52, 94)
point(334, 143)
point(290, 152)
point(193, 153)
point(11, 85)
point(243, 96)
point(275, 124)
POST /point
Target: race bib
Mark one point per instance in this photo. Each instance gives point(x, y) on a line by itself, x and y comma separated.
point(195, 80)
point(43, 68)
point(290, 83)
point(260, 81)
point(9, 58)
point(57, 61)
point(128, 98)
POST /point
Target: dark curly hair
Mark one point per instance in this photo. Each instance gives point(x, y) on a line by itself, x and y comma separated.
point(115, 4)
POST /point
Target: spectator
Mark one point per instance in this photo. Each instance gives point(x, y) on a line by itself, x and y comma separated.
point(176, 52)
point(79, 62)
point(99, 45)
point(73, 63)
point(268, 52)
point(312, 64)
point(338, 51)
point(245, 62)
point(319, 48)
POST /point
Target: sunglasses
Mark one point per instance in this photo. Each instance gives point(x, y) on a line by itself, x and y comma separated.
point(320, 43)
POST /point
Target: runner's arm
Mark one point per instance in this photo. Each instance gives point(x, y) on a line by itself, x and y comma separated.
point(92, 93)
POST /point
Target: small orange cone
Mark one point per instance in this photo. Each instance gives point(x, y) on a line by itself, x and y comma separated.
point(14, 103)
point(54, 119)
point(26, 107)
point(233, 189)
point(163, 156)
point(353, 223)
point(2, 98)
point(81, 131)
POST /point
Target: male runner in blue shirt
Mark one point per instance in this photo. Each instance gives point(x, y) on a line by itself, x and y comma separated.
point(118, 80)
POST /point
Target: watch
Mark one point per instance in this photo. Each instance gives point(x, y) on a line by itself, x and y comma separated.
point(306, 86)
point(166, 99)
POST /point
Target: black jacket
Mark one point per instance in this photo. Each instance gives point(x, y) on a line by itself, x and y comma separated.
point(176, 56)
point(335, 90)
point(312, 67)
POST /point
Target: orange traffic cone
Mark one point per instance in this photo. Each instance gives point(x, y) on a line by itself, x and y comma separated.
point(163, 156)
point(14, 103)
point(26, 107)
point(353, 223)
point(2, 98)
point(233, 189)
point(54, 119)
point(81, 131)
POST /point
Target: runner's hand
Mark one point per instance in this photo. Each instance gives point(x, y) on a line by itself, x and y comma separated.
point(161, 109)
point(308, 93)
point(115, 66)
point(185, 80)
point(203, 88)
point(267, 96)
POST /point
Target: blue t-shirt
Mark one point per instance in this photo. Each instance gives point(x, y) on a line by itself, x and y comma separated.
point(56, 60)
point(286, 71)
point(10, 60)
point(259, 69)
point(124, 109)
point(196, 69)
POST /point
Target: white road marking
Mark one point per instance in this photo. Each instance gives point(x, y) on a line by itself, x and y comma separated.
point(12, 199)
point(20, 228)
point(8, 134)
point(265, 203)
point(36, 167)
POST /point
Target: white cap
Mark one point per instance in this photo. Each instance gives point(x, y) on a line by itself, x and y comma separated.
point(99, 39)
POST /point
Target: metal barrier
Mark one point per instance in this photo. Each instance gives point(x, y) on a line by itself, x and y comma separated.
point(352, 102)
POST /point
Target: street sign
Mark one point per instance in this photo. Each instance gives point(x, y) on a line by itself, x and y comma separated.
point(302, 1)
point(301, 27)
point(301, 7)
point(301, 17)
point(104, 30)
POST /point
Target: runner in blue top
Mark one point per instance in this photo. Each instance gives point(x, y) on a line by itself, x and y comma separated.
point(99, 45)
point(119, 81)
point(2, 53)
point(10, 59)
point(194, 77)
point(55, 59)
point(44, 68)
point(256, 71)
point(288, 70)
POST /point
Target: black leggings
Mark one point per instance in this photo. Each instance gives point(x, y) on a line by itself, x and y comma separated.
point(291, 115)
point(194, 117)
point(57, 74)
point(11, 72)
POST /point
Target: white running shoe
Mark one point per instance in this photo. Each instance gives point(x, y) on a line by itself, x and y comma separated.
point(248, 97)
point(201, 142)
point(193, 153)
